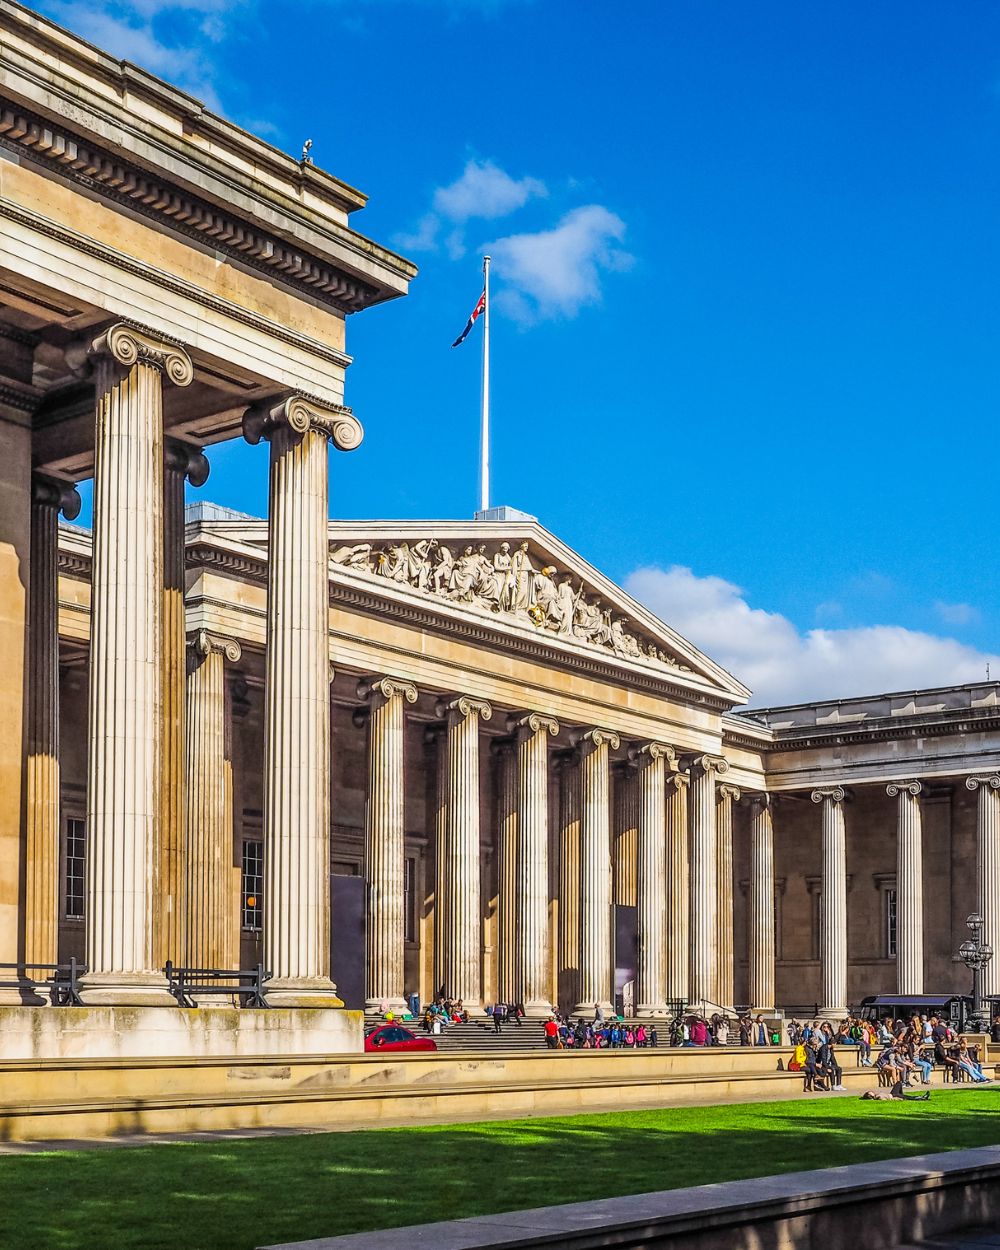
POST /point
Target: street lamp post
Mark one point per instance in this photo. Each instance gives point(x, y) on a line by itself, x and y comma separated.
point(976, 954)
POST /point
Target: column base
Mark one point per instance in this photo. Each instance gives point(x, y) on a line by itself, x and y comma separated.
point(538, 1010)
point(832, 1013)
point(302, 992)
point(123, 989)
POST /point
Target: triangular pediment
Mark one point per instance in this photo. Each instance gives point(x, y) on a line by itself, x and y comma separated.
point(518, 576)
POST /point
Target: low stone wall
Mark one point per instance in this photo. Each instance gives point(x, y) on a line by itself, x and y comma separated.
point(867, 1207)
point(46, 1033)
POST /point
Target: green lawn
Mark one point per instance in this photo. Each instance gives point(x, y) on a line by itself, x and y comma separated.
point(234, 1195)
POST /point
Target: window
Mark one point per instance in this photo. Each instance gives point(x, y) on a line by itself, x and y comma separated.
point(253, 885)
point(76, 835)
point(889, 912)
point(409, 900)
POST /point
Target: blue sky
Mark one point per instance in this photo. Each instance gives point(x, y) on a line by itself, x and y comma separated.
point(745, 344)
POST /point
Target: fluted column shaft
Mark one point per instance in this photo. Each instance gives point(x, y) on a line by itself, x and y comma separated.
point(595, 863)
point(725, 923)
point(461, 940)
point(385, 846)
point(297, 698)
point(704, 878)
point(988, 871)
point(761, 928)
point(507, 821)
point(207, 937)
point(625, 836)
point(569, 883)
point(41, 922)
point(678, 890)
point(651, 988)
point(833, 903)
point(909, 887)
point(532, 897)
point(181, 463)
point(124, 762)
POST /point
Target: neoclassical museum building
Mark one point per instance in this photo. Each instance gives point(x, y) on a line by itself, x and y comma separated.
point(376, 758)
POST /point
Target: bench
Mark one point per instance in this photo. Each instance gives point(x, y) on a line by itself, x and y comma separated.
point(189, 984)
point(61, 984)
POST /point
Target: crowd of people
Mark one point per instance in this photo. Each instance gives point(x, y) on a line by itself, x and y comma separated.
point(600, 1033)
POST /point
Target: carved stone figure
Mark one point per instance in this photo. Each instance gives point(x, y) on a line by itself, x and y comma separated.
point(356, 556)
point(419, 563)
point(521, 570)
point(441, 577)
point(464, 575)
point(501, 567)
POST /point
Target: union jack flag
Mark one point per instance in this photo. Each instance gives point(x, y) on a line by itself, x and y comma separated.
point(472, 320)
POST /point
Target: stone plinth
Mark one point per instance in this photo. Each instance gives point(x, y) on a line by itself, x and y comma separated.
point(167, 1032)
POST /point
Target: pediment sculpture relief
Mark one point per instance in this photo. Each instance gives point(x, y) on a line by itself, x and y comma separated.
point(506, 580)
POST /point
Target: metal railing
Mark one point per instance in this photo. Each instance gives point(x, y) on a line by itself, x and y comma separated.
point(61, 985)
point(189, 984)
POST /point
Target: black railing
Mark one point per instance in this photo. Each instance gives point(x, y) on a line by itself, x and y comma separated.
point(189, 984)
point(61, 985)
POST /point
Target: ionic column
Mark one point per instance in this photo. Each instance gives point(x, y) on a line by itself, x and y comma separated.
point(461, 939)
point(833, 903)
point(726, 796)
point(41, 922)
point(677, 903)
point(532, 897)
point(704, 906)
point(507, 822)
point(297, 697)
point(909, 887)
point(181, 463)
point(126, 657)
point(987, 789)
point(761, 927)
point(569, 881)
point(651, 987)
point(595, 863)
point(385, 846)
point(205, 894)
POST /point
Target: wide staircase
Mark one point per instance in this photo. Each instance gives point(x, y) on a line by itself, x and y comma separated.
point(478, 1034)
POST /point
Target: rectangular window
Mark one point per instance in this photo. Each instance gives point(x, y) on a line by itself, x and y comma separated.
point(409, 899)
point(817, 923)
point(253, 885)
point(889, 906)
point(76, 831)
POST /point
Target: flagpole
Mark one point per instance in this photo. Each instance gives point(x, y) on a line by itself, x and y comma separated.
point(484, 481)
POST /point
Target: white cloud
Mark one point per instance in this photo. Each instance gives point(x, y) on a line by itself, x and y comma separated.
point(170, 38)
point(554, 273)
point(485, 190)
point(956, 613)
point(482, 190)
point(781, 664)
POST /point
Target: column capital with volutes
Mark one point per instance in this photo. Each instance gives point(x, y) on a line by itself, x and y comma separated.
point(204, 643)
point(760, 799)
point(896, 788)
point(700, 764)
point(190, 462)
point(532, 723)
point(597, 738)
point(728, 791)
point(649, 752)
point(386, 688)
point(831, 794)
point(990, 780)
point(50, 492)
point(129, 344)
point(302, 414)
point(462, 707)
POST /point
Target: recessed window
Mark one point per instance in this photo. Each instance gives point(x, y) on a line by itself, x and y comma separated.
point(253, 885)
point(76, 867)
point(409, 899)
point(889, 914)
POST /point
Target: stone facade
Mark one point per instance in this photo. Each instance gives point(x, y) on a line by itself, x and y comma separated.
point(376, 758)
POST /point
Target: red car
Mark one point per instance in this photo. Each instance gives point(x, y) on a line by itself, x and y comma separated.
point(394, 1037)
